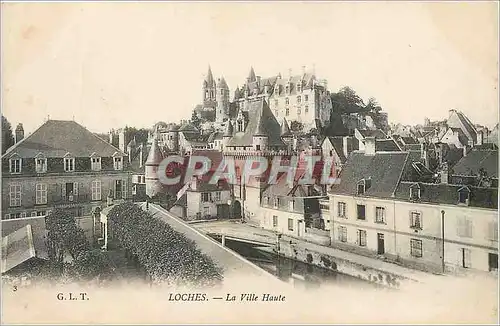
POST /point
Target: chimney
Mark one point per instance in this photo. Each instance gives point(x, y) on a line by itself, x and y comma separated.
point(444, 173)
point(121, 141)
point(111, 138)
point(370, 146)
point(141, 155)
point(466, 150)
point(345, 141)
point(19, 133)
point(480, 137)
point(424, 154)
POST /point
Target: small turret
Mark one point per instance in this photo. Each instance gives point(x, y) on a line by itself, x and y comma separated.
point(228, 133)
point(286, 134)
point(260, 136)
point(153, 185)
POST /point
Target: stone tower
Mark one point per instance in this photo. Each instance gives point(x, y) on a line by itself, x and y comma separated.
point(222, 99)
point(209, 91)
point(153, 184)
point(19, 133)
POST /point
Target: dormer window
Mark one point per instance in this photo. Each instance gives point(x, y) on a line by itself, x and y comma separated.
point(287, 112)
point(118, 162)
point(41, 165)
point(15, 164)
point(361, 187)
point(277, 89)
point(306, 98)
point(299, 99)
point(95, 163)
point(69, 164)
point(299, 87)
point(415, 192)
point(287, 88)
point(463, 196)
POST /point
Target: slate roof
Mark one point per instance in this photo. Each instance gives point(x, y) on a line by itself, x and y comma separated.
point(475, 160)
point(409, 140)
point(188, 127)
point(261, 121)
point(285, 129)
point(155, 156)
point(464, 124)
point(386, 145)
point(56, 138)
point(382, 169)
point(448, 194)
point(377, 133)
point(20, 246)
point(214, 136)
point(338, 144)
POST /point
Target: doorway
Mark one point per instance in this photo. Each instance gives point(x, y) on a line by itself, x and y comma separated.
point(380, 244)
point(465, 258)
point(492, 261)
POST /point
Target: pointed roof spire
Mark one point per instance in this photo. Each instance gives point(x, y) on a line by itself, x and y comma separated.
point(285, 129)
point(222, 83)
point(236, 93)
point(229, 130)
point(210, 77)
point(154, 156)
point(251, 76)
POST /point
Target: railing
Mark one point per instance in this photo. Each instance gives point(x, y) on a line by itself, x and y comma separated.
point(71, 199)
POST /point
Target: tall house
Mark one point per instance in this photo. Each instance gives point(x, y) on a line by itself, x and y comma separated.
point(302, 97)
point(62, 164)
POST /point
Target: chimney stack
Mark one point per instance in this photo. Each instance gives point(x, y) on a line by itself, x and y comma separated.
point(19, 133)
point(370, 146)
point(444, 173)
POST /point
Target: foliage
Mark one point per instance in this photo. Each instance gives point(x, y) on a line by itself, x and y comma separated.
point(167, 255)
point(64, 235)
point(346, 100)
point(7, 135)
point(90, 264)
point(141, 135)
point(373, 106)
point(195, 120)
point(296, 126)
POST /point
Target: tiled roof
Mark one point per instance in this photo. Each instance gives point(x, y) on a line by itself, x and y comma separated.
point(215, 136)
point(188, 127)
point(260, 121)
point(448, 194)
point(383, 170)
point(478, 159)
point(56, 138)
point(377, 133)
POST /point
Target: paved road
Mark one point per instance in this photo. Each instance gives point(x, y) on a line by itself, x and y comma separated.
point(232, 263)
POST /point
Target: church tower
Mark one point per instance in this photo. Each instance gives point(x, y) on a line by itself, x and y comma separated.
point(209, 91)
point(222, 99)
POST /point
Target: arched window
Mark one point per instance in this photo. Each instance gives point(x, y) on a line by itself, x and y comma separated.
point(240, 125)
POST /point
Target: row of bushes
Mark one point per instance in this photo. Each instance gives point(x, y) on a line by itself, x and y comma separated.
point(167, 255)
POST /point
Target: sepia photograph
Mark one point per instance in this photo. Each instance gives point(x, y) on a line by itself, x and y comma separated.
point(249, 162)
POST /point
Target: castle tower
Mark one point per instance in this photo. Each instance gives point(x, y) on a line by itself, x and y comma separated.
point(222, 98)
point(228, 133)
point(173, 138)
point(153, 184)
point(209, 90)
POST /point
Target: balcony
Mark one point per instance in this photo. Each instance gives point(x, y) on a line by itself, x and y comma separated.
point(61, 200)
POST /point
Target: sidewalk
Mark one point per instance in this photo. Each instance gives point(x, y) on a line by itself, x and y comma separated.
point(250, 232)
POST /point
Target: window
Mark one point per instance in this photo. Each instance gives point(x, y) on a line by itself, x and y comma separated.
point(361, 187)
point(275, 221)
point(239, 125)
point(306, 108)
point(96, 190)
point(493, 231)
point(325, 207)
point(118, 163)
point(416, 220)
point(292, 205)
point(414, 193)
point(287, 112)
point(361, 212)
point(361, 238)
point(465, 257)
point(257, 147)
point(15, 195)
point(287, 89)
point(463, 196)
point(298, 111)
point(217, 195)
point(342, 236)
point(379, 215)
point(69, 164)
point(205, 196)
point(299, 99)
point(290, 224)
point(341, 209)
point(287, 100)
point(96, 163)
point(41, 193)
point(416, 248)
point(41, 165)
point(306, 98)
point(464, 227)
point(15, 165)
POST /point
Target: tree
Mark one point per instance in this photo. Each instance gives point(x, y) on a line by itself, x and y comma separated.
point(347, 101)
point(296, 126)
point(7, 135)
point(90, 264)
point(141, 135)
point(195, 120)
point(373, 106)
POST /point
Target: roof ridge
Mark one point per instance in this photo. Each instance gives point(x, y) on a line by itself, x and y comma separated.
point(99, 138)
point(10, 149)
point(393, 194)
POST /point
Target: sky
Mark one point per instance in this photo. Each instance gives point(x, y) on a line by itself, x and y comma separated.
point(108, 65)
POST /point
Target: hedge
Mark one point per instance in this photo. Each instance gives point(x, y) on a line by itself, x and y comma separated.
point(167, 255)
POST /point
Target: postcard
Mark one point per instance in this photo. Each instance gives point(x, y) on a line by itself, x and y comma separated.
point(249, 162)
